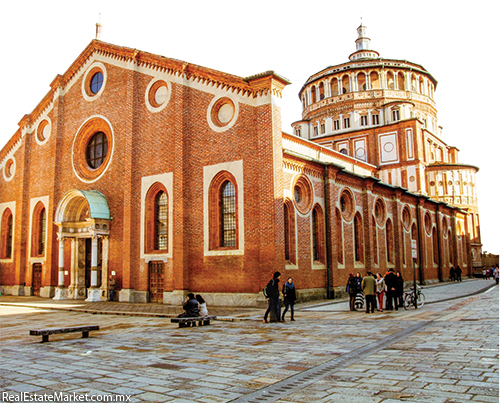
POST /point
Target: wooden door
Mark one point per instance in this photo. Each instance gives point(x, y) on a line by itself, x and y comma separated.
point(156, 282)
point(37, 278)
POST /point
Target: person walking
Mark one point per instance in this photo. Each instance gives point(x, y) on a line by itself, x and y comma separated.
point(380, 292)
point(369, 286)
point(111, 287)
point(273, 293)
point(391, 283)
point(352, 290)
point(452, 274)
point(289, 297)
point(458, 274)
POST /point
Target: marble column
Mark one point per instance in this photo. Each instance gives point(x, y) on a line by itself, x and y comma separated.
point(61, 290)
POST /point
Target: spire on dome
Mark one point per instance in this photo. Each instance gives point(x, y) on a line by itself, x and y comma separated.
point(363, 50)
point(98, 29)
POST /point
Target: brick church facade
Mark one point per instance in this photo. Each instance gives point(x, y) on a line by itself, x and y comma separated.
point(174, 178)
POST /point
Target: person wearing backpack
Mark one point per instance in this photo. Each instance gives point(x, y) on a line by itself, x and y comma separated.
point(272, 292)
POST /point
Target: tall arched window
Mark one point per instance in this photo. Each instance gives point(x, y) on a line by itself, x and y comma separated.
point(390, 80)
point(289, 216)
point(361, 78)
point(156, 230)
point(345, 84)
point(335, 86)
point(389, 238)
point(313, 94)
point(318, 234)
point(375, 241)
point(321, 91)
point(374, 80)
point(223, 205)
point(228, 215)
point(6, 235)
point(401, 81)
point(358, 239)
point(339, 236)
point(39, 227)
point(161, 221)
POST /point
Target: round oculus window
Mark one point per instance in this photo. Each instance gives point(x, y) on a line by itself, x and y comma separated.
point(380, 212)
point(43, 131)
point(157, 95)
point(97, 150)
point(303, 194)
point(406, 218)
point(9, 169)
point(96, 82)
point(346, 204)
point(222, 114)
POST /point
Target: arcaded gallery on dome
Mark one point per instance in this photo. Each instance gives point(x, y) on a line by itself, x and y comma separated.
point(172, 178)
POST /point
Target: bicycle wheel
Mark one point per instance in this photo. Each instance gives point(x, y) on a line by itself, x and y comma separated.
point(420, 300)
point(408, 301)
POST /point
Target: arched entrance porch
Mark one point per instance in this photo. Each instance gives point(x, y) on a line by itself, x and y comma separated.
point(83, 218)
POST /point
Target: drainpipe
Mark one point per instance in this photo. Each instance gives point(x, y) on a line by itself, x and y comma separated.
point(419, 243)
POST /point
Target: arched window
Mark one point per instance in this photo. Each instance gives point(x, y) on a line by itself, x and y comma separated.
point(339, 236)
point(156, 231)
point(375, 241)
point(389, 241)
point(361, 82)
point(313, 94)
point(223, 212)
point(374, 80)
point(450, 247)
point(321, 91)
point(345, 84)
point(358, 239)
point(6, 235)
point(390, 80)
point(318, 235)
point(289, 213)
point(435, 251)
point(335, 87)
point(39, 227)
point(401, 81)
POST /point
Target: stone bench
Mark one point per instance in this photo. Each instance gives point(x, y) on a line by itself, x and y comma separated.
point(186, 322)
point(46, 332)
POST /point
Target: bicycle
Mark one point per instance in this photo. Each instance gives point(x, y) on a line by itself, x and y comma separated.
point(409, 298)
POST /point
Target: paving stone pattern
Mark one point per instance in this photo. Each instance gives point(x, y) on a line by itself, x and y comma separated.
point(449, 353)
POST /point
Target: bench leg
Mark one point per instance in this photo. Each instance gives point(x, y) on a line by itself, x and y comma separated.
point(206, 322)
point(45, 338)
point(85, 334)
point(182, 324)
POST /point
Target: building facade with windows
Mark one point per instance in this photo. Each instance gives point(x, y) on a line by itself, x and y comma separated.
point(175, 178)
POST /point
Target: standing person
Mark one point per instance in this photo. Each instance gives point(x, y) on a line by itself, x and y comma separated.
point(380, 292)
point(391, 283)
point(359, 279)
point(290, 297)
point(452, 274)
point(495, 274)
point(352, 289)
point(111, 287)
point(273, 293)
point(203, 305)
point(400, 289)
point(191, 307)
point(369, 286)
point(458, 274)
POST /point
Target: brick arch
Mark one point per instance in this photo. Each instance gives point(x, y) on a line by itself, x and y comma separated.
point(151, 222)
point(216, 234)
point(6, 234)
point(38, 230)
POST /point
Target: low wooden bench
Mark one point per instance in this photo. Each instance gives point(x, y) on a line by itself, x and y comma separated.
point(46, 332)
point(186, 322)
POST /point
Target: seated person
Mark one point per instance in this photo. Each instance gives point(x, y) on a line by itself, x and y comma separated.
point(191, 307)
point(203, 305)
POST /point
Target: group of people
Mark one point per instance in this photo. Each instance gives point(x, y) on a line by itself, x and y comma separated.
point(272, 292)
point(456, 274)
point(194, 306)
point(374, 288)
point(491, 273)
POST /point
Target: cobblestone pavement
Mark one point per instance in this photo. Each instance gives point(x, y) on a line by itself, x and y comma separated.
point(445, 352)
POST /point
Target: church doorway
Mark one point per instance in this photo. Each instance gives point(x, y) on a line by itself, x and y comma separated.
point(156, 270)
point(37, 278)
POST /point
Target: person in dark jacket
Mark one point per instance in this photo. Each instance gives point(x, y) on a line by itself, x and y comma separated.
point(369, 287)
point(458, 274)
point(289, 298)
point(452, 274)
point(191, 307)
point(273, 293)
point(352, 289)
point(400, 289)
point(391, 283)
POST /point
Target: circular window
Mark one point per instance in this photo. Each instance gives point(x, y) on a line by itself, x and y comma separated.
point(346, 204)
point(9, 169)
point(303, 194)
point(157, 95)
point(43, 131)
point(92, 149)
point(380, 212)
point(97, 150)
point(432, 183)
point(406, 218)
point(222, 114)
point(96, 82)
point(427, 223)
